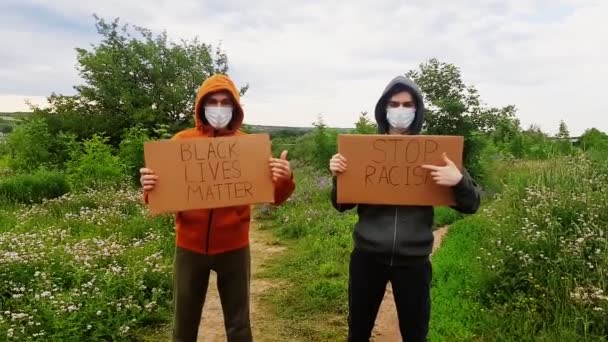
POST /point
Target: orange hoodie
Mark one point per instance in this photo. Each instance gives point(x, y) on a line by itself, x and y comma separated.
point(213, 231)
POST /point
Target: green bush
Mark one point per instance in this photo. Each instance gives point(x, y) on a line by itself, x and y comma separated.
point(131, 151)
point(535, 258)
point(34, 187)
point(95, 166)
point(445, 216)
point(60, 149)
point(316, 148)
point(32, 146)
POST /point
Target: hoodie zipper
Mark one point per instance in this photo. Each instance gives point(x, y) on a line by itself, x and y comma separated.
point(210, 213)
point(209, 228)
point(394, 236)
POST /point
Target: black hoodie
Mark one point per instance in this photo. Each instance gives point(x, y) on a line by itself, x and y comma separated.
point(400, 235)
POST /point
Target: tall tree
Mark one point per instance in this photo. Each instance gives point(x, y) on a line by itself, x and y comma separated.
point(564, 144)
point(562, 131)
point(454, 108)
point(134, 77)
point(364, 125)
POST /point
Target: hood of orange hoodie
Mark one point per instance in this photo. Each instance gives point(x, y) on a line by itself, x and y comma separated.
point(214, 84)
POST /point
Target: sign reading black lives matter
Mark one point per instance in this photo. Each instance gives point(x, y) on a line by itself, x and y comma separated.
point(387, 169)
point(200, 173)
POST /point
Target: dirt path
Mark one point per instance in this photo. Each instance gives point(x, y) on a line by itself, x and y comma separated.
point(212, 323)
point(387, 324)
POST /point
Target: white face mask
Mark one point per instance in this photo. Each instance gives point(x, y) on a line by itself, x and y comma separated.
point(400, 117)
point(218, 117)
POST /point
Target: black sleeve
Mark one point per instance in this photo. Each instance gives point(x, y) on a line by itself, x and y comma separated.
point(334, 198)
point(467, 195)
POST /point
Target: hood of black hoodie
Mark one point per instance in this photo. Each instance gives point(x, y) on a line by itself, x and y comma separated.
point(409, 85)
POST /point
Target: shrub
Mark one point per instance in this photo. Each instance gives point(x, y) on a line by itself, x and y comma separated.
point(30, 145)
point(131, 151)
point(445, 216)
point(536, 265)
point(34, 187)
point(95, 166)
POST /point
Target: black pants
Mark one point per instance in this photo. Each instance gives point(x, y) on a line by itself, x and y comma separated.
point(411, 288)
point(191, 280)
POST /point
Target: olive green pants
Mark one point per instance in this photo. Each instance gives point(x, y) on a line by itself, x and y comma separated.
point(192, 272)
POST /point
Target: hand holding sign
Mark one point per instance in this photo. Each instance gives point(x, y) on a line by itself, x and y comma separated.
point(447, 175)
point(337, 164)
point(148, 179)
point(280, 168)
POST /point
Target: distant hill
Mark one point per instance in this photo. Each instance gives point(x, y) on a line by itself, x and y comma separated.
point(15, 116)
point(8, 121)
point(7, 114)
point(287, 130)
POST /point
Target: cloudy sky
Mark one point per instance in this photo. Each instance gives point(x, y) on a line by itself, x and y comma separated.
point(549, 58)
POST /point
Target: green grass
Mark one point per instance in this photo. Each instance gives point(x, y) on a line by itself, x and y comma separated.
point(84, 266)
point(33, 188)
point(445, 216)
point(313, 302)
point(532, 265)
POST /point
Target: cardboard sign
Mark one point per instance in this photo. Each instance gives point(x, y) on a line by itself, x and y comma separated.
point(200, 173)
point(386, 169)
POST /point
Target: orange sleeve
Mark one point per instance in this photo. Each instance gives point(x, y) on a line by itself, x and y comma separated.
point(283, 190)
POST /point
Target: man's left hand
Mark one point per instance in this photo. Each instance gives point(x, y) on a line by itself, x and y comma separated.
point(447, 175)
point(280, 168)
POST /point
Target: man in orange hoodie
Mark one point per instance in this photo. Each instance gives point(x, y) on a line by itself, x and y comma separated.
point(216, 239)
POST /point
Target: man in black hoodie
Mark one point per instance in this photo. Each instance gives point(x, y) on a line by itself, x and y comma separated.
point(393, 243)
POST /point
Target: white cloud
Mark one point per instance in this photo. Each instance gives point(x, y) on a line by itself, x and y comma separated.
point(20, 103)
point(546, 57)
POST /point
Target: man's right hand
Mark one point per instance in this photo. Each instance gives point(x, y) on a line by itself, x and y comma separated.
point(337, 164)
point(148, 179)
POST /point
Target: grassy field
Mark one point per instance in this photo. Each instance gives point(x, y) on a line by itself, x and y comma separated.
point(84, 267)
point(532, 265)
